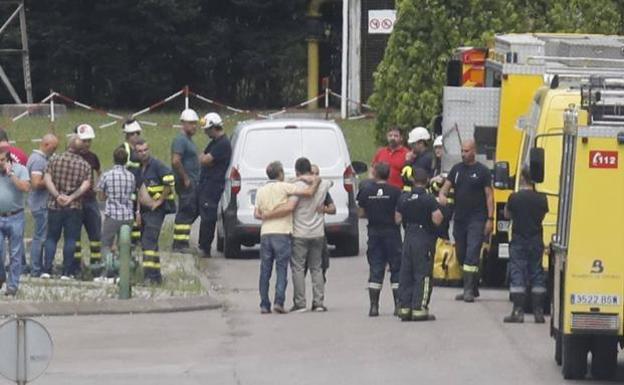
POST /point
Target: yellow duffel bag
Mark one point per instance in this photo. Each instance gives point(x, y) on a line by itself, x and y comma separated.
point(446, 268)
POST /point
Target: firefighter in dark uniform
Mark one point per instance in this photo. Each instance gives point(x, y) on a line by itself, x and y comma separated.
point(214, 163)
point(473, 214)
point(435, 186)
point(420, 213)
point(132, 130)
point(156, 199)
point(420, 155)
point(526, 208)
point(378, 202)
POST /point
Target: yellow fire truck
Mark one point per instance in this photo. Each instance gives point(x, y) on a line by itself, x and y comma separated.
point(515, 68)
point(588, 245)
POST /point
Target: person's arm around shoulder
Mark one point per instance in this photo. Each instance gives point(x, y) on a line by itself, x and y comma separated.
point(308, 191)
point(282, 210)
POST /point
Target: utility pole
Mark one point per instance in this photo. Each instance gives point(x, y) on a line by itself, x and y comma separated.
point(21, 13)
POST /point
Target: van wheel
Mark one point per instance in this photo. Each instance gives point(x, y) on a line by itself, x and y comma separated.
point(348, 246)
point(231, 246)
point(574, 357)
point(604, 357)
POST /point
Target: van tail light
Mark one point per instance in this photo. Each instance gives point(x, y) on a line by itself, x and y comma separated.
point(348, 178)
point(235, 180)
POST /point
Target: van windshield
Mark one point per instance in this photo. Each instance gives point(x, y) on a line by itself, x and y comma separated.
point(262, 147)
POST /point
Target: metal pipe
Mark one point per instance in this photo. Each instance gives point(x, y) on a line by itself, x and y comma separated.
point(10, 19)
point(125, 290)
point(345, 59)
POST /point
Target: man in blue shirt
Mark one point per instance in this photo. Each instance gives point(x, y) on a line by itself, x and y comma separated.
point(38, 200)
point(214, 163)
point(14, 184)
point(185, 164)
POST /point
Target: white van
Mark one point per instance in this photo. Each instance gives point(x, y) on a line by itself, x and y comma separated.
point(255, 144)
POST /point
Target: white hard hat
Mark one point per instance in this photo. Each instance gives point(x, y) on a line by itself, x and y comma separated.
point(131, 126)
point(210, 120)
point(418, 133)
point(438, 142)
point(189, 115)
point(85, 131)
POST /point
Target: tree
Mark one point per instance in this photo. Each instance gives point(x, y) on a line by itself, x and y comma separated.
point(410, 78)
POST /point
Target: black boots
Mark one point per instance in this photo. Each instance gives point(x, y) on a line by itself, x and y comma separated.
point(469, 285)
point(517, 314)
point(373, 294)
point(538, 307)
point(395, 294)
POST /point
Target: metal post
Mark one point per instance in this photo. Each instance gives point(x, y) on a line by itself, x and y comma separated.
point(52, 107)
point(125, 291)
point(326, 102)
point(25, 56)
point(186, 97)
point(345, 59)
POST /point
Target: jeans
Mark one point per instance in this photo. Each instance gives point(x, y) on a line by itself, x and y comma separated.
point(110, 228)
point(308, 252)
point(12, 228)
point(40, 218)
point(210, 194)
point(68, 222)
point(278, 248)
point(384, 248)
point(525, 265)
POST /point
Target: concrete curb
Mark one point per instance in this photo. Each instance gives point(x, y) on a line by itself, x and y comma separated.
point(113, 306)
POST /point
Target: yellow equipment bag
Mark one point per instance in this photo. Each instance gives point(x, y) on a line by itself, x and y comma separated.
point(446, 268)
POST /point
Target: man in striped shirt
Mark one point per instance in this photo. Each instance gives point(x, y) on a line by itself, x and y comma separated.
point(116, 187)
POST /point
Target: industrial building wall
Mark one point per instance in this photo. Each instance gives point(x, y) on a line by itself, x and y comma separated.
point(373, 46)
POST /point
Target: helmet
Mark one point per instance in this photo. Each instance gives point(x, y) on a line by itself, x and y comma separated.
point(131, 126)
point(189, 115)
point(85, 131)
point(438, 142)
point(210, 120)
point(418, 133)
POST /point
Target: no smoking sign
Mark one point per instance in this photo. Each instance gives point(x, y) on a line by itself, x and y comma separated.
point(381, 21)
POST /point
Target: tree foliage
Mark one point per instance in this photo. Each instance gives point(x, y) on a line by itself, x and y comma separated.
point(409, 80)
point(132, 53)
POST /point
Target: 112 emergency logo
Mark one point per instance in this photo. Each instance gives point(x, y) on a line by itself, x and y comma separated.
point(603, 159)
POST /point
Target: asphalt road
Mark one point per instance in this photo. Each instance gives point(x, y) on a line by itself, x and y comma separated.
point(467, 344)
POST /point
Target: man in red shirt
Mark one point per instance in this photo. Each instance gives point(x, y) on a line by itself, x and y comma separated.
point(17, 154)
point(394, 154)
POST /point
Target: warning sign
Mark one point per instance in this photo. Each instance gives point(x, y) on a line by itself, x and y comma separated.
point(381, 21)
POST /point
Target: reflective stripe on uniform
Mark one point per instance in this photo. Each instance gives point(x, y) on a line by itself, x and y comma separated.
point(394, 286)
point(151, 265)
point(425, 292)
point(156, 189)
point(404, 311)
point(168, 178)
point(420, 313)
point(181, 227)
point(181, 237)
point(471, 269)
point(517, 289)
point(375, 285)
point(150, 253)
point(538, 290)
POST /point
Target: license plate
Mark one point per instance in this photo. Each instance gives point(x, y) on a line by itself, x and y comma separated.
point(502, 226)
point(596, 299)
point(503, 250)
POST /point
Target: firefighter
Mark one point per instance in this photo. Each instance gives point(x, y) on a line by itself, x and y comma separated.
point(214, 163)
point(420, 213)
point(155, 196)
point(473, 214)
point(435, 185)
point(132, 130)
point(378, 202)
point(420, 155)
point(185, 164)
point(91, 217)
point(526, 208)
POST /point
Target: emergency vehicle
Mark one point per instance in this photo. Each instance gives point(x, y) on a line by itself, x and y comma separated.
point(513, 71)
point(588, 270)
